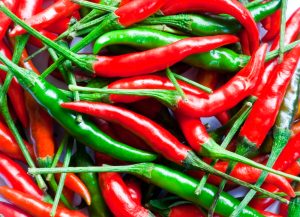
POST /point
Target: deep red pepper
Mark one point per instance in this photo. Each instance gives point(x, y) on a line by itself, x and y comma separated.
point(187, 210)
point(28, 8)
point(15, 91)
point(9, 145)
point(147, 82)
point(272, 25)
point(263, 114)
point(283, 209)
point(291, 33)
point(147, 107)
point(33, 206)
point(161, 57)
point(18, 177)
point(10, 210)
point(134, 188)
point(60, 26)
point(117, 197)
point(233, 8)
point(50, 15)
point(5, 21)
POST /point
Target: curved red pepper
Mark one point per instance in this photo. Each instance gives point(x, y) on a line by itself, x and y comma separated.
point(9, 210)
point(134, 188)
point(33, 206)
point(291, 34)
point(5, 21)
point(231, 7)
point(50, 15)
point(272, 25)
point(28, 8)
point(161, 58)
point(60, 26)
point(265, 109)
point(18, 177)
point(15, 91)
point(9, 145)
point(147, 82)
point(117, 197)
point(139, 7)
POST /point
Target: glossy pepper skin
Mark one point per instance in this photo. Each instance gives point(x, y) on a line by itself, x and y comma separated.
point(117, 197)
point(27, 8)
point(162, 57)
point(220, 59)
point(270, 100)
point(97, 208)
point(33, 206)
point(10, 210)
point(9, 145)
point(86, 132)
point(134, 188)
point(5, 21)
point(18, 177)
point(234, 8)
point(272, 25)
point(50, 15)
point(15, 91)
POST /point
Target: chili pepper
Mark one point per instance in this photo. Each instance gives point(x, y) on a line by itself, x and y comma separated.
point(273, 29)
point(48, 16)
point(134, 188)
point(291, 33)
point(250, 137)
point(7, 209)
point(200, 25)
point(97, 206)
point(27, 8)
point(172, 181)
point(60, 26)
point(294, 207)
point(40, 123)
point(5, 21)
point(76, 185)
point(15, 91)
point(18, 177)
point(283, 209)
point(155, 136)
point(9, 146)
point(117, 196)
point(162, 57)
point(49, 97)
point(233, 8)
point(33, 206)
point(34, 41)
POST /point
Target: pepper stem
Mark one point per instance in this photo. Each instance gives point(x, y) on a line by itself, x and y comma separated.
point(172, 78)
point(282, 29)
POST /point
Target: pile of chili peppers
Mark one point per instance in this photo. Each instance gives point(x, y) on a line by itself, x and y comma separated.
point(119, 129)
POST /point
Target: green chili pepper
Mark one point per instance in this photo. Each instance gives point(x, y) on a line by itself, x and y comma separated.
point(294, 207)
point(202, 25)
point(221, 59)
point(97, 207)
point(170, 180)
point(86, 132)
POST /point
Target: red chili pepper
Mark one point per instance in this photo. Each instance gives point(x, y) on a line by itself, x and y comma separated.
point(187, 210)
point(248, 174)
point(231, 7)
point(9, 145)
point(10, 210)
point(272, 25)
point(18, 177)
point(117, 197)
point(264, 111)
point(33, 206)
point(60, 26)
point(291, 33)
point(34, 41)
point(15, 91)
point(27, 8)
point(147, 82)
point(5, 21)
point(134, 188)
point(50, 15)
point(283, 209)
point(161, 57)
point(73, 183)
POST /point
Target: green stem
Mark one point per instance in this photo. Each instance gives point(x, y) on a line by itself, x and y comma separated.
point(61, 147)
point(95, 5)
point(244, 112)
point(271, 55)
point(172, 78)
point(200, 86)
point(61, 181)
point(282, 29)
